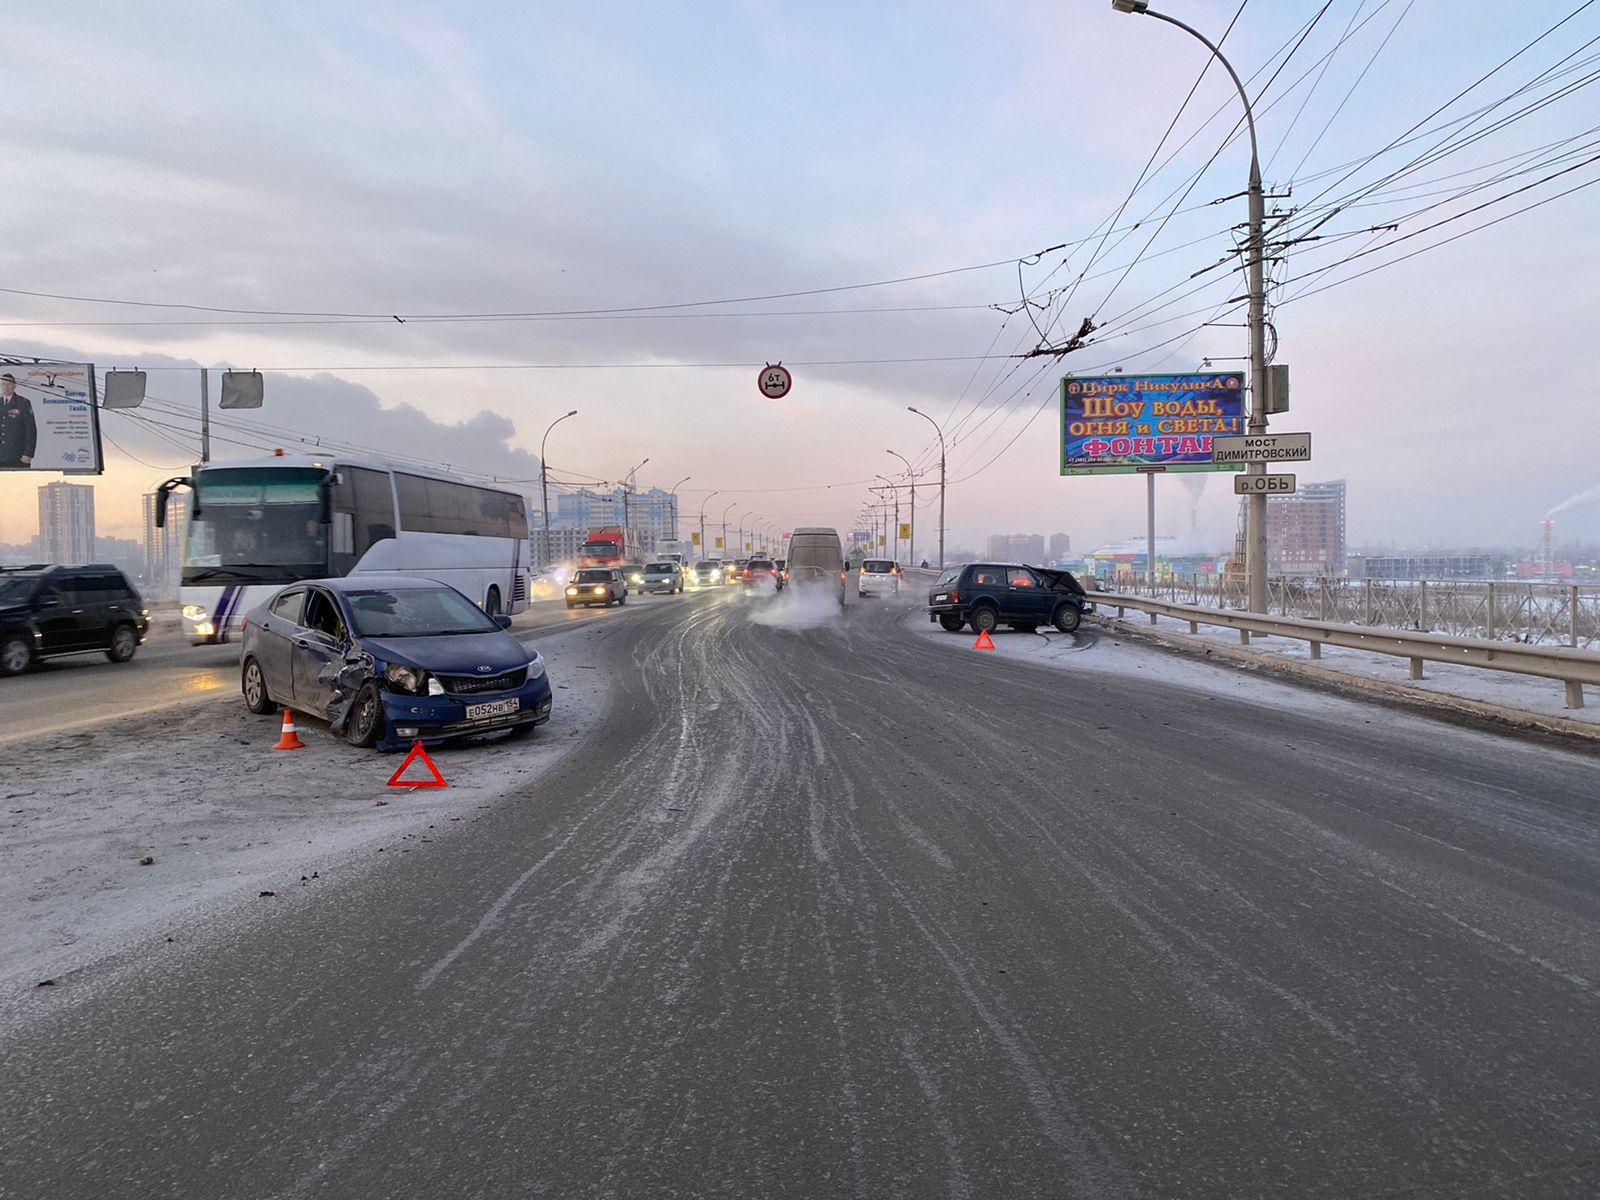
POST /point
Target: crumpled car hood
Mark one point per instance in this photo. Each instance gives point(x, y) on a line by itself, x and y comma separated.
point(454, 654)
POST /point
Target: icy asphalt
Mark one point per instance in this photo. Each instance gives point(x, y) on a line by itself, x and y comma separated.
point(853, 910)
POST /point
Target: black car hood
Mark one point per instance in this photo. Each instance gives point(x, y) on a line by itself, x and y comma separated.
point(1061, 581)
point(452, 654)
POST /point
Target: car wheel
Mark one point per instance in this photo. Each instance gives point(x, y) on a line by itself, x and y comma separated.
point(254, 686)
point(16, 654)
point(124, 641)
point(622, 599)
point(984, 619)
point(1068, 618)
point(951, 623)
point(571, 606)
point(491, 603)
point(366, 717)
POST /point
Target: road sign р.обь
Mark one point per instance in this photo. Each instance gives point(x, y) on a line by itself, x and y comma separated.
point(1262, 448)
point(1263, 485)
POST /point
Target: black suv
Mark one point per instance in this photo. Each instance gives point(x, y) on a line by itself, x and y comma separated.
point(985, 595)
point(46, 611)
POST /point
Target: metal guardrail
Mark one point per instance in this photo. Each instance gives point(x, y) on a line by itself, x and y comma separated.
point(1572, 667)
point(1501, 610)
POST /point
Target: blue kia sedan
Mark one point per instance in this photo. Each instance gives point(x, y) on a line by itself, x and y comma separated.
point(390, 661)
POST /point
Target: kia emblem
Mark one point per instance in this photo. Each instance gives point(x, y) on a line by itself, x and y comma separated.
point(484, 670)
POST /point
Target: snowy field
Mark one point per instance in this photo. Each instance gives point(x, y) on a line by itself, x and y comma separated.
point(224, 819)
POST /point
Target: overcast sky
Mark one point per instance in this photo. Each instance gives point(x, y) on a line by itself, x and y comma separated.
point(488, 158)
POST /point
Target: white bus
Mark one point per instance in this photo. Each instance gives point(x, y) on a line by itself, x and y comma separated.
point(257, 524)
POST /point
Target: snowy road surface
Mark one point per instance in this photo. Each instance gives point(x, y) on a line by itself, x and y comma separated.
point(852, 910)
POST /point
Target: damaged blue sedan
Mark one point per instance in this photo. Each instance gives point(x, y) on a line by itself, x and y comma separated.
point(389, 661)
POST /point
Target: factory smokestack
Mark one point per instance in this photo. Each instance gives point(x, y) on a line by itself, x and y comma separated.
point(1547, 558)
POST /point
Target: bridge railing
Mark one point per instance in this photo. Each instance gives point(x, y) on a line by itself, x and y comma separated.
point(1572, 666)
point(1543, 614)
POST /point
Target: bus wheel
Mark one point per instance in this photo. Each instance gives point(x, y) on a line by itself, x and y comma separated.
point(492, 604)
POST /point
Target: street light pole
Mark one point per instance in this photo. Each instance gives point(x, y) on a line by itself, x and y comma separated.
point(940, 432)
point(734, 504)
point(1255, 535)
point(544, 483)
point(911, 549)
point(675, 530)
point(627, 487)
point(704, 549)
point(894, 490)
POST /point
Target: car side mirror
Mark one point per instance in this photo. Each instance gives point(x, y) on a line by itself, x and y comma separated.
point(502, 620)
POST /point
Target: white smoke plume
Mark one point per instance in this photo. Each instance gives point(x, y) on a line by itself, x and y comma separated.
point(1581, 500)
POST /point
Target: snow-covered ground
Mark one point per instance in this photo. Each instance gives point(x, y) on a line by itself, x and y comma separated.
point(1103, 647)
point(225, 818)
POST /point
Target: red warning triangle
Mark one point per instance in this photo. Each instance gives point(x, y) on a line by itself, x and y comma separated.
point(984, 642)
point(417, 752)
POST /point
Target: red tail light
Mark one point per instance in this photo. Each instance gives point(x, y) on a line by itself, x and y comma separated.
point(954, 596)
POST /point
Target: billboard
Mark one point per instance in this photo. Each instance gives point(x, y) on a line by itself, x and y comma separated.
point(1125, 424)
point(49, 419)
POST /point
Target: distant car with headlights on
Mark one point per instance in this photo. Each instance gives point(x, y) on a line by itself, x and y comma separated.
point(633, 575)
point(878, 577)
point(604, 586)
point(707, 572)
point(390, 662)
point(662, 577)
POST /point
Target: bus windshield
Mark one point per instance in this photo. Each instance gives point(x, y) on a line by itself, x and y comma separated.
point(256, 525)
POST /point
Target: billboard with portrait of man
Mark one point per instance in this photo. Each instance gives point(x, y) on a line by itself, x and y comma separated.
point(49, 418)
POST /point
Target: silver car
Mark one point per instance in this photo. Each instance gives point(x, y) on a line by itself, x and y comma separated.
point(665, 577)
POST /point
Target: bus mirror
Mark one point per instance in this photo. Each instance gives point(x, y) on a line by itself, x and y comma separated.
point(164, 491)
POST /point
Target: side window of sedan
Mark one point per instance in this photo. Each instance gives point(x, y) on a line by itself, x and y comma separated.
point(322, 614)
point(288, 605)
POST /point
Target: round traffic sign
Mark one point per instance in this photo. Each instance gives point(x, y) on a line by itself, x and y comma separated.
point(775, 381)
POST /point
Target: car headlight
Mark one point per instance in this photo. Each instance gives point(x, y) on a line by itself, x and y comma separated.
point(405, 679)
point(572, 591)
point(194, 612)
point(599, 590)
point(536, 667)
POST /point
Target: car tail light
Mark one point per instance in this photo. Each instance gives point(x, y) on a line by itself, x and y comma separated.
point(244, 623)
point(954, 595)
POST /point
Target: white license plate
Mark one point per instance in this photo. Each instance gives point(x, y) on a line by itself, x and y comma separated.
point(494, 708)
point(941, 596)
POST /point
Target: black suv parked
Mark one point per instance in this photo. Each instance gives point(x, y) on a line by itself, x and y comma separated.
point(46, 611)
point(988, 594)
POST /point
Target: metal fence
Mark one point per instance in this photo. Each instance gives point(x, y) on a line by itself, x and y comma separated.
point(1538, 614)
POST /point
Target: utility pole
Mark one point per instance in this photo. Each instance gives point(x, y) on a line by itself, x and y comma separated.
point(205, 418)
point(1255, 527)
point(627, 487)
point(940, 432)
point(676, 532)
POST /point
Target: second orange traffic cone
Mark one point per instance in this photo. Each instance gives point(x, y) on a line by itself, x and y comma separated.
point(289, 739)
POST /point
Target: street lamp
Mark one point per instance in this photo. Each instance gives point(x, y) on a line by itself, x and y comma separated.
point(544, 486)
point(725, 512)
point(1255, 536)
point(627, 486)
point(940, 432)
point(704, 549)
point(894, 490)
point(675, 488)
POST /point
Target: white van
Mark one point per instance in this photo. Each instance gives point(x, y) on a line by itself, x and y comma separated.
point(816, 560)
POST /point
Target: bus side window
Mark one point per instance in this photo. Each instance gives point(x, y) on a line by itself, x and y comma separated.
point(343, 539)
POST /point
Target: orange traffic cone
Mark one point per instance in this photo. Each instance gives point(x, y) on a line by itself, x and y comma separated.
point(289, 739)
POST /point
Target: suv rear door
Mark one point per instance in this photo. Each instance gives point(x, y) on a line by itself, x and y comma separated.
point(59, 615)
